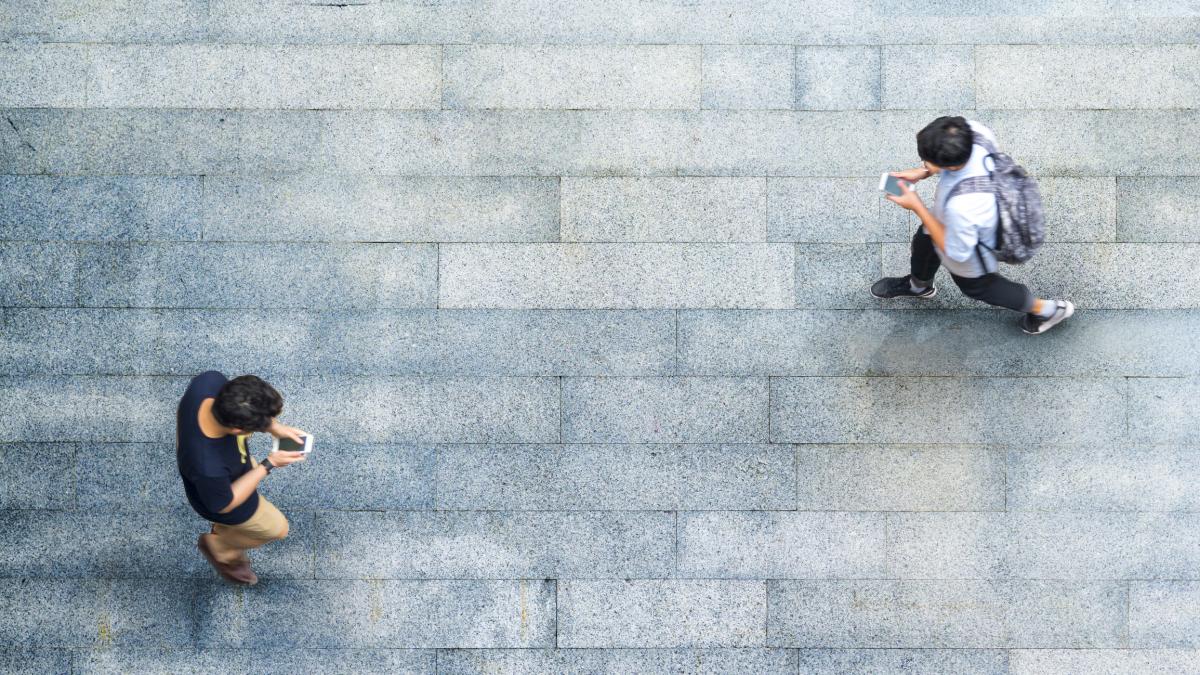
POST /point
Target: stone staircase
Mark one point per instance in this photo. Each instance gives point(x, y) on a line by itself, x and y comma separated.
point(573, 296)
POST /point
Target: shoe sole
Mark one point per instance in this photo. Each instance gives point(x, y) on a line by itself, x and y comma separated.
point(1051, 323)
point(916, 297)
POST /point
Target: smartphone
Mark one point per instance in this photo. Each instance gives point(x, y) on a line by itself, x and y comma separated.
point(890, 184)
point(288, 445)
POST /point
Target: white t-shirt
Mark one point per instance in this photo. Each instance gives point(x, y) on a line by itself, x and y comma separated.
point(969, 217)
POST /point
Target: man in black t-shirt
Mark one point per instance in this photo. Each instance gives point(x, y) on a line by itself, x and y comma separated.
point(214, 420)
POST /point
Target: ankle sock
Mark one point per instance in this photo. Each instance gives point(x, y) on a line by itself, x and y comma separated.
point(1049, 307)
point(916, 288)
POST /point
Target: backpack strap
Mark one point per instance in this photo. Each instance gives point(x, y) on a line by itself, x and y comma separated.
point(970, 185)
point(981, 140)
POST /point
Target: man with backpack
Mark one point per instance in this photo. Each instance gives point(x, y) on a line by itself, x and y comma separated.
point(986, 210)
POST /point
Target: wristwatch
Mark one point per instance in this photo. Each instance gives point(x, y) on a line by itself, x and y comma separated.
point(266, 464)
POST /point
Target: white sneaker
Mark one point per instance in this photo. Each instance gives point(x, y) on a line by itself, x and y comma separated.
point(1033, 324)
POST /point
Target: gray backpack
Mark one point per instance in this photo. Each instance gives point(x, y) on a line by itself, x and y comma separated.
point(1022, 226)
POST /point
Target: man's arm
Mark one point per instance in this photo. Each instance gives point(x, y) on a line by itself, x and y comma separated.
point(244, 486)
point(935, 228)
point(247, 483)
point(910, 200)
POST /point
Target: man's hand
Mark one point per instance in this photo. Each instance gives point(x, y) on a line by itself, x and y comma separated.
point(909, 200)
point(912, 175)
point(283, 457)
point(279, 430)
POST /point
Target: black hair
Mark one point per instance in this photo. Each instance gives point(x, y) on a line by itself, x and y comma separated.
point(247, 403)
point(946, 141)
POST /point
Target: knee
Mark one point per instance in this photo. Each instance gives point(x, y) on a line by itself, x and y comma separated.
point(973, 292)
point(969, 289)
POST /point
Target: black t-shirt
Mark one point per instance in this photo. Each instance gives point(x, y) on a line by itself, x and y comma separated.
point(209, 466)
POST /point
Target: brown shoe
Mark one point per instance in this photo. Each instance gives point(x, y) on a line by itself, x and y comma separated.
point(235, 573)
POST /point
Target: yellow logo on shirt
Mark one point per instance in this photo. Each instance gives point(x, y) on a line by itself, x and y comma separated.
point(241, 442)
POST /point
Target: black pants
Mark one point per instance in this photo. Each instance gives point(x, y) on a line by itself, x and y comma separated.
point(990, 288)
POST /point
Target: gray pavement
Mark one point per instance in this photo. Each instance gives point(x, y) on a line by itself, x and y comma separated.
point(574, 297)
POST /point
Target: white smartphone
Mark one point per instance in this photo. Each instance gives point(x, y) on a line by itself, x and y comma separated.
point(288, 445)
point(890, 184)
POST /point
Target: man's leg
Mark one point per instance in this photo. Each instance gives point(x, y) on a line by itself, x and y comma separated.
point(925, 262)
point(229, 543)
point(996, 290)
point(919, 283)
point(1039, 315)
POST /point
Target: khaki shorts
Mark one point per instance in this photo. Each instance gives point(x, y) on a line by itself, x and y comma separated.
point(267, 524)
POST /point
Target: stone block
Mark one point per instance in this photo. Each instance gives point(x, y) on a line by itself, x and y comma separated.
point(379, 613)
point(496, 545)
point(1164, 614)
point(615, 477)
point(43, 76)
point(100, 209)
point(823, 210)
point(615, 276)
point(781, 545)
point(1139, 343)
point(837, 78)
point(380, 209)
point(664, 410)
point(987, 410)
point(249, 275)
point(269, 661)
point(661, 613)
point(615, 661)
point(664, 209)
point(1049, 77)
point(917, 77)
point(37, 274)
point(748, 77)
point(899, 478)
point(578, 77)
point(37, 475)
point(1157, 209)
point(101, 613)
point(1120, 477)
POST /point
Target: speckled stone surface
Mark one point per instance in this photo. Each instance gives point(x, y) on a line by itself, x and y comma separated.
point(916, 77)
point(100, 208)
point(944, 613)
point(577, 77)
point(663, 209)
point(262, 76)
point(496, 545)
point(615, 276)
point(745, 77)
point(604, 477)
point(379, 613)
point(837, 78)
point(899, 478)
point(911, 661)
point(269, 660)
point(661, 613)
point(1102, 661)
point(37, 475)
point(1163, 614)
point(1071, 77)
point(615, 661)
point(1157, 208)
point(661, 410)
point(279, 275)
point(766, 545)
point(385, 208)
point(864, 410)
point(574, 297)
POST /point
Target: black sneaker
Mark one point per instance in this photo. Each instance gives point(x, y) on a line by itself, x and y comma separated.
point(899, 287)
point(1033, 324)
